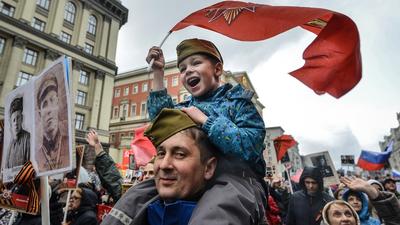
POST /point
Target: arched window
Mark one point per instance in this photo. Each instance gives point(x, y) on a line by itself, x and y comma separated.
point(69, 12)
point(92, 25)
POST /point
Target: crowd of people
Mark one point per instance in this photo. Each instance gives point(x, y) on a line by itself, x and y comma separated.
point(209, 166)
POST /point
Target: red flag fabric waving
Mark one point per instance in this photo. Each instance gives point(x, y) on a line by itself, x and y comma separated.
point(282, 144)
point(332, 60)
point(142, 147)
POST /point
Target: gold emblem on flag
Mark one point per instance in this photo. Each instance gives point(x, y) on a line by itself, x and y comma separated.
point(319, 23)
point(229, 14)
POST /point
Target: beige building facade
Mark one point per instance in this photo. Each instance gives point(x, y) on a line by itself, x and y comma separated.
point(394, 136)
point(33, 33)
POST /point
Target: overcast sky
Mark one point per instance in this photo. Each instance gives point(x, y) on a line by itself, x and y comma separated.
point(358, 120)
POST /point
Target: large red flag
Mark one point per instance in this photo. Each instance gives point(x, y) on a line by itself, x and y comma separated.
point(282, 144)
point(142, 147)
point(332, 60)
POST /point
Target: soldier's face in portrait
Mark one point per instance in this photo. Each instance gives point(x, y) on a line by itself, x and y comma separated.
point(49, 114)
point(16, 123)
point(322, 161)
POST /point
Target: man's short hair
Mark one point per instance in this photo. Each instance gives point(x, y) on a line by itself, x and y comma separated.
point(207, 149)
point(16, 105)
point(48, 84)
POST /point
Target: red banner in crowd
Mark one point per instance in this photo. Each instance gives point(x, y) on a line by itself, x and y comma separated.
point(282, 144)
point(332, 60)
point(142, 147)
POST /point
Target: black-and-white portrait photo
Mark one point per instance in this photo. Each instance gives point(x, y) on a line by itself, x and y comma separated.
point(52, 140)
point(17, 132)
point(321, 162)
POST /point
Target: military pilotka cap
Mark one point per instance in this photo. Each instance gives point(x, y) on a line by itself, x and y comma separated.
point(195, 46)
point(16, 105)
point(48, 84)
point(167, 123)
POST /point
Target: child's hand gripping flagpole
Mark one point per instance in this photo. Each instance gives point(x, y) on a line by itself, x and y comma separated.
point(161, 44)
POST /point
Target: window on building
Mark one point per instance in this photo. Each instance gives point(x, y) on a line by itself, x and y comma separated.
point(112, 138)
point(92, 25)
point(81, 98)
point(69, 12)
point(175, 80)
point(117, 92)
point(133, 110)
point(7, 9)
point(43, 4)
point(130, 134)
point(88, 48)
point(2, 45)
point(165, 82)
point(79, 120)
point(124, 110)
point(65, 37)
point(126, 91)
point(135, 89)
point(143, 109)
point(23, 78)
point(115, 112)
point(38, 24)
point(84, 77)
point(30, 56)
point(145, 87)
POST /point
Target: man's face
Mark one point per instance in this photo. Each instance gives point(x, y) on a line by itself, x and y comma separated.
point(322, 161)
point(311, 185)
point(179, 173)
point(16, 123)
point(339, 214)
point(148, 171)
point(390, 186)
point(49, 114)
point(355, 202)
point(198, 74)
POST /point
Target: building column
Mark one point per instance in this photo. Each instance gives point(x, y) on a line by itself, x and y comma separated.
point(14, 67)
point(105, 37)
point(28, 11)
point(58, 18)
point(106, 102)
point(99, 79)
point(50, 56)
point(83, 28)
point(112, 40)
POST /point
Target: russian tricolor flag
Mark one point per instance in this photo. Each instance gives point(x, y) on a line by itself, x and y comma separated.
point(370, 160)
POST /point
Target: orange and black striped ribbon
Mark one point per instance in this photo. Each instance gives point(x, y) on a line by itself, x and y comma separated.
point(25, 176)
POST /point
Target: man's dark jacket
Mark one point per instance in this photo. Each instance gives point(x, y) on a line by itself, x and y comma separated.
point(305, 209)
point(109, 175)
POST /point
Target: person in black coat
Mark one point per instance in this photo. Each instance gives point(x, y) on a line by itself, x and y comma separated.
point(305, 205)
point(82, 207)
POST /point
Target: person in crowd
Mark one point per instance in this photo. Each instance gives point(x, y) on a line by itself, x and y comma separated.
point(280, 193)
point(82, 207)
point(225, 113)
point(385, 202)
point(359, 201)
point(338, 194)
point(390, 185)
point(305, 205)
point(148, 170)
point(379, 187)
point(339, 212)
point(19, 148)
point(108, 173)
point(273, 212)
point(184, 165)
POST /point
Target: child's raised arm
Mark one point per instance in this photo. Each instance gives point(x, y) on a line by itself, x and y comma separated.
point(157, 67)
